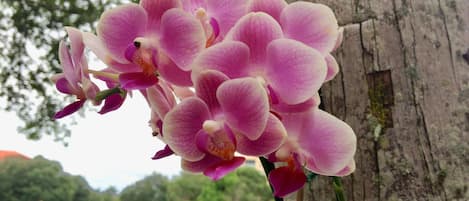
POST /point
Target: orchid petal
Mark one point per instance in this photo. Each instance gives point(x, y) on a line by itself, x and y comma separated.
point(221, 169)
point(183, 92)
point(156, 9)
point(271, 7)
point(295, 71)
point(118, 28)
point(96, 46)
point(63, 86)
point(326, 143)
point(159, 101)
point(182, 37)
point(226, 12)
point(332, 67)
point(170, 72)
point(181, 125)
point(347, 170)
point(340, 38)
point(282, 107)
point(285, 180)
point(200, 165)
point(137, 80)
point(206, 87)
point(229, 57)
point(67, 66)
point(165, 152)
point(77, 49)
point(256, 30)
point(313, 24)
point(273, 136)
point(111, 103)
point(245, 105)
point(69, 109)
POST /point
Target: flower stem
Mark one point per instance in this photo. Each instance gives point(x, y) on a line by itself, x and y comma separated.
point(268, 166)
point(338, 189)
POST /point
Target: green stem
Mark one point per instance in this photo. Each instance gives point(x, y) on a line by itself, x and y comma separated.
point(106, 93)
point(338, 189)
point(268, 166)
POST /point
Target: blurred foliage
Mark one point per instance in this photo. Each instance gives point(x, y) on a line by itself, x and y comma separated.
point(39, 179)
point(153, 187)
point(30, 32)
point(245, 184)
point(186, 186)
point(42, 179)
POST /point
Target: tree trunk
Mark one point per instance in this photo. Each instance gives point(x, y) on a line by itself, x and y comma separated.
point(404, 88)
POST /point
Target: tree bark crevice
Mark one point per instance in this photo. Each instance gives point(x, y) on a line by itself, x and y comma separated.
point(413, 140)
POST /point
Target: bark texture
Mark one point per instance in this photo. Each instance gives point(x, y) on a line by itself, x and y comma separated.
point(404, 88)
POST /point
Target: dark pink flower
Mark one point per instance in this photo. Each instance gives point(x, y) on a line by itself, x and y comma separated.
point(316, 140)
point(225, 116)
point(255, 47)
point(75, 79)
point(310, 23)
point(216, 16)
point(156, 36)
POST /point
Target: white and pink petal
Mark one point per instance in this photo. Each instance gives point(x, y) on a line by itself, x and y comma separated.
point(245, 105)
point(326, 143)
point(229, 57)
point(313, 24)
point(271, 139)
point(181, 125)
point(118, 27)
point(256, 30)
point(295, 72)
point(182, 37)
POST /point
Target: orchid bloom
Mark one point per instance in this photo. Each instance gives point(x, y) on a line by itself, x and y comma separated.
point(322, 143)
point(161, 101)
point(75, 79)
point(312, 24)
point(289, 70)
point(255, 66)
point(157, 37)
point(216, 16)
point(225, 116)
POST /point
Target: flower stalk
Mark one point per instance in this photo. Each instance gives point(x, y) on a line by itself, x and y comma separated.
point(268, 167)
point(338, 189)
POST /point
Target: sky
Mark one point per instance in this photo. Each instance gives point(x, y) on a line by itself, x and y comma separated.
point(114, 149)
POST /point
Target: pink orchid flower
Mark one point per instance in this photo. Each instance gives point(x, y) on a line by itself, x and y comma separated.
point(321, 142)
point(75, 79)
point(255, 47)
point(161, 101)
point(225, 116)
point(216, 16)
point(157, 37)
point(313, 24)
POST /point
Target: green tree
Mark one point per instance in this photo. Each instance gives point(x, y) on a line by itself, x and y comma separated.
point(30, 32)
point(151, 188)
point(109, 194)
point(40, 179)
point(186, 186)
point(245, 184)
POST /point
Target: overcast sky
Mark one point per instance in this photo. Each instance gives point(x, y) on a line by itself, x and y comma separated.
point(108, 150)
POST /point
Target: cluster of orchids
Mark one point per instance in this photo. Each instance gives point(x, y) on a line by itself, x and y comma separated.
point(223, 79)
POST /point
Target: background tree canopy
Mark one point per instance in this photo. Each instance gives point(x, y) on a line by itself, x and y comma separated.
point(30, 32)
point(42, 179)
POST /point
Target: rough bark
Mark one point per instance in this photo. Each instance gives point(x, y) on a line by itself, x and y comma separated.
point(404, 88)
